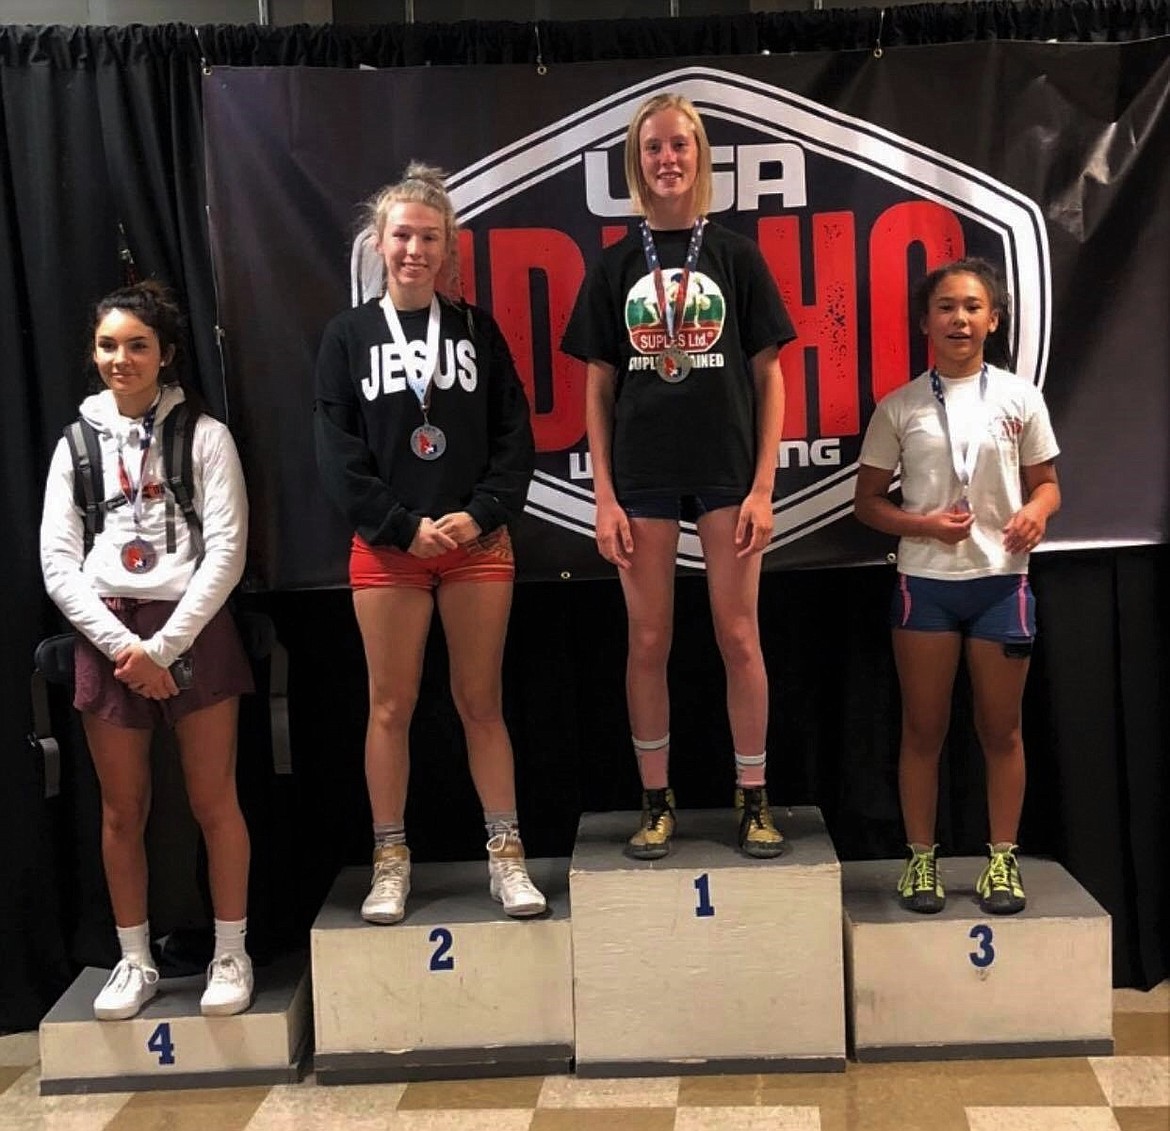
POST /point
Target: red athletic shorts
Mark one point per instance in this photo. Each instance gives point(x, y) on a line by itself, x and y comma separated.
point(488, 558)
point(221, 669)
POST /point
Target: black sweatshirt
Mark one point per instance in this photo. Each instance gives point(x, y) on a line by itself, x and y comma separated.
point(365, 412)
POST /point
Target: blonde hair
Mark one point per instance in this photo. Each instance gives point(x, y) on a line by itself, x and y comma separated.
point(639, 190)
point(420, 184)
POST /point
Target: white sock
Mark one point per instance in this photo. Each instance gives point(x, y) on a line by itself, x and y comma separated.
point(135, 943)
point(229, 937)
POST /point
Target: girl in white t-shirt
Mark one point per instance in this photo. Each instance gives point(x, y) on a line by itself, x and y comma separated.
point(978, 481)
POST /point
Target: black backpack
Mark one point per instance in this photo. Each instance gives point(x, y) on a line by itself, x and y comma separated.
point(178, 438)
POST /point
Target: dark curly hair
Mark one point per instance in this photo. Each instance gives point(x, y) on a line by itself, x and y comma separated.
point(154, 305)
point(997, 348)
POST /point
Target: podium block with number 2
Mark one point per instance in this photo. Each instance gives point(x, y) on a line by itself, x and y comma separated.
point(455, 989)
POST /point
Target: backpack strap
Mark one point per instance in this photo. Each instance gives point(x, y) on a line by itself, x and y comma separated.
point(179, 468)
point(88, 486)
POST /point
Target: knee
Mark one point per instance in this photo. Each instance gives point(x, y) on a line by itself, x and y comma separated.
point(1004, 740)
point(479, 706)
point(125, 820)
point(923, 738)
point(649, 644)
point(739, 644)
point(391, 711)
point(215, 808)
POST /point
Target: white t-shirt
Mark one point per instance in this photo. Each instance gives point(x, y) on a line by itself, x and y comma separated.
point(1011, 427)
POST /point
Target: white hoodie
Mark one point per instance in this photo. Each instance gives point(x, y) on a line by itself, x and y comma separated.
point(77, 586)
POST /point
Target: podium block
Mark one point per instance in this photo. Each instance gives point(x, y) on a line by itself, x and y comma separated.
point(454, 990)
point(966, 984)
point(170, 1044)
point(707, 961)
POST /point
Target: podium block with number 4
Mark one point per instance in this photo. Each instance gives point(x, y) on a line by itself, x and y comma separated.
point(454, 990)
point(707, 961)
point(170, 1044)
point(966, 984)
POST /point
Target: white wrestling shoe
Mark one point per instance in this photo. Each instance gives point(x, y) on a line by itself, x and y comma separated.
point(386, 902)
point(510, 883)
point(131, 985)
point(229, 986)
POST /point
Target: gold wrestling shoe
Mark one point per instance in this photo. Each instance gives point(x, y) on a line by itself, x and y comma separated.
point(758, 835)
point(652, 840)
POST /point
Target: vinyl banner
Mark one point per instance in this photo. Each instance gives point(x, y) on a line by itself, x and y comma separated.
point(854, 173)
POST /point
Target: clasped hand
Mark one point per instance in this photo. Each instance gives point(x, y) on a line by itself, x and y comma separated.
point(134, 668)
point(437, 536)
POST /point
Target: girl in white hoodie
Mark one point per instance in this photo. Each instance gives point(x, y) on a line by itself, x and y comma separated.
point(155, 644)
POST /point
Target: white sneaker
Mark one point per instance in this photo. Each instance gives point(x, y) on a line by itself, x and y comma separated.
point(229, 986)
point(510, 884)
point(130, 986)
point(386, 902)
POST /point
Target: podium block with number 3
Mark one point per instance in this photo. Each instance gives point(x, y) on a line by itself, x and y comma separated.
point(963, 983)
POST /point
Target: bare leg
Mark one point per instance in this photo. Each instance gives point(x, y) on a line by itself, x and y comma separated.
point(734, 586)
point(648, 586)
point(121, 756)
point(926, 662)
point(997, 683)
point(394, 621)
point(475, 622)
point(207, 749)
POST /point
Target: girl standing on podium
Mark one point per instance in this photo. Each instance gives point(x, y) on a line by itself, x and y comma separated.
point(978, 479)
point(680, 326)
point(423, 441)
point(155, 645)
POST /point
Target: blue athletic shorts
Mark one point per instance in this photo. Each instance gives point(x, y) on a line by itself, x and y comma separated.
point(999, 608)
point(689, 507)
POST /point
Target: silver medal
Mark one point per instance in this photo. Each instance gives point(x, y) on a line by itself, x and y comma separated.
point(428, 442)
point(673, 365)
point(138, 556)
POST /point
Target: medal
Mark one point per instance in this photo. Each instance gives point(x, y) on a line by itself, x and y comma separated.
point(673, 365)
point(428, 442)
point(138, 556)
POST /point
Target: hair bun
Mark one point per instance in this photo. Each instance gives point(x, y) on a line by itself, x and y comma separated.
point(429, 174)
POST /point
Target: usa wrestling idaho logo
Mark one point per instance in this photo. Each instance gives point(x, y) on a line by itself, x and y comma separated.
point(848, 217)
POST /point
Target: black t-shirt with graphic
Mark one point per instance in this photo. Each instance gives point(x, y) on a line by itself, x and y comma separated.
point(698, 434)
point(365, 412)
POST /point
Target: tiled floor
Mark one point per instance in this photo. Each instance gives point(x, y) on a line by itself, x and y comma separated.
point(1129, 1091)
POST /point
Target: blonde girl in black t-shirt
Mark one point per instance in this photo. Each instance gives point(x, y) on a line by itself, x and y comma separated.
point(680, 326)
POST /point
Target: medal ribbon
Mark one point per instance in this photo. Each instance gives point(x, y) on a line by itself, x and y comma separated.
point(131, 492)
point(963, 463)
point(672, 314)
point(420, 380)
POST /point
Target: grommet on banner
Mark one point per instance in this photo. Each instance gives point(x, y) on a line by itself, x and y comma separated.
point(566, 574)
point(877, 47)
point(204, 65)
point(541, 69)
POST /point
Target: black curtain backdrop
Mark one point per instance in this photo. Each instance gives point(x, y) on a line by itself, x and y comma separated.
point(102, 127)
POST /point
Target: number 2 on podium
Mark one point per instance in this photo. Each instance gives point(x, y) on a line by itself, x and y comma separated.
point(441, 960)
point(160, 1042)
point(705, 909)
